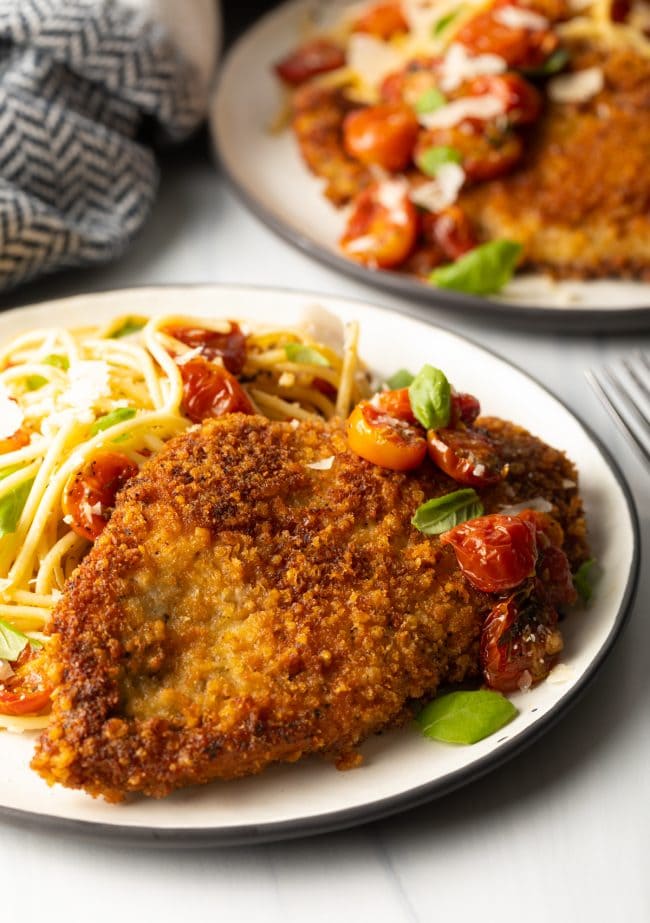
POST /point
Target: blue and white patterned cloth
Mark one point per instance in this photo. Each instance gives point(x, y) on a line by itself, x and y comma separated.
point(82, 83)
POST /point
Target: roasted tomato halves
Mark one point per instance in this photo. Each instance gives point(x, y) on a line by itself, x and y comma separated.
point(89, 495)
point(496, 553)
point(26, 692)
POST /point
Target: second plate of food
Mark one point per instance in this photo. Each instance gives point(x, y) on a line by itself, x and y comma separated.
point(401, 767)
point(563, 205)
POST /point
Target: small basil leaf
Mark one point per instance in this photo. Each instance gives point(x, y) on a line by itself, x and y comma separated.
point(297, 352)
point(444, 21)
point(584, 578)
point(12, 505)
point(482, 271)
point(59, 362)
point(430, 396)
point(443, 513)
point(430, 100)
point(35, 382)
point(110, 419)
point(130, 325)
point(466, 717)
point(12, 642)
point(552, 65)
point(401, 379)
point(433, 158)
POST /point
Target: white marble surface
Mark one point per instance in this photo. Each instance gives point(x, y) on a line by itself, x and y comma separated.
point(560, 833)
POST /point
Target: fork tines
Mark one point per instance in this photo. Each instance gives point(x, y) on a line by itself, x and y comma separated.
point(623, 387)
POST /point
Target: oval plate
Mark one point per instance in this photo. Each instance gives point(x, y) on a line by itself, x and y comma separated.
point(401, 768)
point(267, 171)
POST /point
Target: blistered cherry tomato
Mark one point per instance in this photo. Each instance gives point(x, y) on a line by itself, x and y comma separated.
point(384, 20)
point(520, 643)
point(522, 103)
point(451, 229)
point(548, 530)
point(411, 82)
point(382, 229)
point(495, 552)
point(317, 56)
point(230, 347)
point(487, 150)
point(89, 495)
point(465, 408)
point(211, 391)
point(384, 135)
point(521, 47)
point(385, 440)
point(554, 574)
point(465, 455)
point(17, 440)
point(26, 692)
point(396, 403)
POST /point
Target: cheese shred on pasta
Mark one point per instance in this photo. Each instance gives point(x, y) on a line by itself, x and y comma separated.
point(118, 387)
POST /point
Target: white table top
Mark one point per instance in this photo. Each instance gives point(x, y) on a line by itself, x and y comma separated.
point(562, 832)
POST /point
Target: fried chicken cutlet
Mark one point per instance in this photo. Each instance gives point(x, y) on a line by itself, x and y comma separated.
point(259, 594)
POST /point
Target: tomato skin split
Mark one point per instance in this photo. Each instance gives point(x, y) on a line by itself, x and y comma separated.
point(229, 347)
point(496, 553)
point(385, 440)
point(465, 455)
point(317, 56)
point(26, 692)
point(89, 495)
point(376, 236)
point(384, 135)
point(210, 390)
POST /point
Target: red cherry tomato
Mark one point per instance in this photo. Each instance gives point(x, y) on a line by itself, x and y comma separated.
point(522, 103)
point(385, 440)
point(26, 692)
point(554, 574)
point(396, 404)
point(486, 149)
point(465, 408)
point(317, 56)
point(495, 552)
point(89, 495)
point(520, 642)
point(211, 391)
point(16, 441)
point(465, 455)
point(384, 135)
point(383, 21)
point(521, 47)
point(230, 347)
point(380, 233)
point(451, 229)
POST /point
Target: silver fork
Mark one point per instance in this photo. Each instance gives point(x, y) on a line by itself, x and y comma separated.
point(623, 388)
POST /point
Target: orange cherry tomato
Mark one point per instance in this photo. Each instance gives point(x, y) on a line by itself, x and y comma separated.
point(520, 642)
point(396, 404)
point(317, 56)
point(495, 552)
point(209, 390)
point(385, 440)
point(522, 103)
point(230, 347)
point(383, 135)
point(379, 233)
point(17, 440)
point(521, 47)
point(465, 455)
point(411, 82)
point(25, 692)
point(487, 150)
point(383, 21)
point(451, 229)
point(89, 495)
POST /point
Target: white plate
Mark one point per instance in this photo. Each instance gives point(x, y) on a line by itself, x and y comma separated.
point(270, 175)
point(401, 768)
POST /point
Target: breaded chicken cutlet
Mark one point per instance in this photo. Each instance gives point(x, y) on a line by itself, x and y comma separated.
point(243, 608)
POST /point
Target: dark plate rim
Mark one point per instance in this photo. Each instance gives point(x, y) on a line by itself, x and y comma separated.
point(535, 316)
point(338, 820)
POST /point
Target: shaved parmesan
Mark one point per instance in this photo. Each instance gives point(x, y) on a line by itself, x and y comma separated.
point(391, 194)
point(322, 326)
point(441, 191)
point(539, 504)
point(514, 17)
point(371, 59)
point(323, 465)
point(562, 673)
point(469, 107)
point(577, 87)
point(11, 415)
point(458, 66)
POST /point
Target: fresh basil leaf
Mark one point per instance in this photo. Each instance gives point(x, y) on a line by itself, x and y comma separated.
point(59, 362)
point(466, 717)
point(297, 352)
point(443, 513)
point(401, 379)
point(12, 505)
point(10, 470)
point(433, 158)
point(110, 419)
point(130, 325)
point(552, 65)
point(583, 580)
point(12, 642)
point(430, 396)
point(444, 21)
point(482, 271)
point(34, 382)
point(429, 101)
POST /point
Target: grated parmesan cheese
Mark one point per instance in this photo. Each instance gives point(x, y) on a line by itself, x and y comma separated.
point(469, 107)
point(11, 415)
point(89, 381)
point(441, 191)
point(514, 17)
point(577, 87)
point(458, 66)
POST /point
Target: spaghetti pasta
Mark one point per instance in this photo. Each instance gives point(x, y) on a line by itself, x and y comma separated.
point(119, 391)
